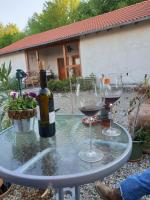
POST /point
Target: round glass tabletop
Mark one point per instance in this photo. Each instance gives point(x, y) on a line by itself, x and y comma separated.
point(33, 161)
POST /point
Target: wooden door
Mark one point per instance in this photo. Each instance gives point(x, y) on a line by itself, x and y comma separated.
point(77, 66)
point(61, 69)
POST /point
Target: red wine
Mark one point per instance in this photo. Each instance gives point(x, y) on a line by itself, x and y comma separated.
point(111, 99)
point(90, 110)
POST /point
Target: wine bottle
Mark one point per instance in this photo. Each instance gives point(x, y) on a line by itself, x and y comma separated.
point(46, 120)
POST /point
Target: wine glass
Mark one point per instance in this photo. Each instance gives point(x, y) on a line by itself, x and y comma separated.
point(89, 103)
point(112, 92)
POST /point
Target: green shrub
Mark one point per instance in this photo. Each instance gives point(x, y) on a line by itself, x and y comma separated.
point(13, 84)
point(5, 76)
point(143, 135)
point(64, 85)
point(60, 86)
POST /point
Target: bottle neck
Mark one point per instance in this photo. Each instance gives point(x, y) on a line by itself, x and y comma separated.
point(43, 79)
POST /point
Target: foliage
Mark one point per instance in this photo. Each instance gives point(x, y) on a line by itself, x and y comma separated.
point(57, 13)
point(13, 84)
point(60, 85)
point(5, 76)
point(5, 122)
point(64, 85)
point(143, 135)
point(7, 83)
point(102, 6)
point(144, 87)
point(86, 83)
point(9, 34)
point(16, 102)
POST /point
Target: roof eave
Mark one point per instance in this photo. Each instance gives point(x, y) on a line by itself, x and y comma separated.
point(118, 25)
point(82, 34)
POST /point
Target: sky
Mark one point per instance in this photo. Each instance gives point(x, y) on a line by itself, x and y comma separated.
point(19, 11)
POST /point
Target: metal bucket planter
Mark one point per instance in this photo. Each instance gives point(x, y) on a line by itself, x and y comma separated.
point(136, 154)
point(23, 120)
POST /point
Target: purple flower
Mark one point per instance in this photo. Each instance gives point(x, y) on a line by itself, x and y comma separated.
point(32, 94)
point(13, 94)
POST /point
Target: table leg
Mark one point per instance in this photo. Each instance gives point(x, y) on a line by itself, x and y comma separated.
point(77, 193)
point(60, 194)
point(74, 193)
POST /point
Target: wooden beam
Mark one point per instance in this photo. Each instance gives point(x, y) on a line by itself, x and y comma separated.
point(80, 57)
point(37, 55)
point(57, 44)
point(27, 61)
point(65, 59)
point(37, 59)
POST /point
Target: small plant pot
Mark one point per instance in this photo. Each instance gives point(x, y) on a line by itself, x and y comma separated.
point(23, 120)
point(136, 154)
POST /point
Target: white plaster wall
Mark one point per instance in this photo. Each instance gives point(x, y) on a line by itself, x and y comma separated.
point(118, 51)
point(17, 60)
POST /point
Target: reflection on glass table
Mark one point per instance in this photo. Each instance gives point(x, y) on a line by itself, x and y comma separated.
point(29, 160)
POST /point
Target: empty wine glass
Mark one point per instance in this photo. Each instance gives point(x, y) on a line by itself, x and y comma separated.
point(89, 103)
point(112, 92)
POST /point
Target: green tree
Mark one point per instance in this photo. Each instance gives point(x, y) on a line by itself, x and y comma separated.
point(83, 11)
point(1, 30)
point(9, 34)
point(55, 13)
point(98, 7)
point(61, 12)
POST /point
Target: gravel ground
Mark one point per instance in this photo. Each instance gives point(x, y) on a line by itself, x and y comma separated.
point(87, 191)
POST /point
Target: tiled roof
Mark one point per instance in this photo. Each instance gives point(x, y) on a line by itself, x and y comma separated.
point(126, 15)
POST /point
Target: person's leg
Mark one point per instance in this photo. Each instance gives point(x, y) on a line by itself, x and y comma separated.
point(136, 186)
point(132, 188)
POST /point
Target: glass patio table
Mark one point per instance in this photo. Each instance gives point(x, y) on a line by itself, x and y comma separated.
point(29, 160)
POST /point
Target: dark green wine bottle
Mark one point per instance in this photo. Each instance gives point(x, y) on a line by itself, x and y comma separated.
point(46, 114)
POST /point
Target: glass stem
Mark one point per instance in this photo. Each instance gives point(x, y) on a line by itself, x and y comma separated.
point(111, 124)
point(110, 117)
point(90, 135)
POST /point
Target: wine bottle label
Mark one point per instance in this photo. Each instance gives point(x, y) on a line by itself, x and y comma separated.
point(52, 117)
point(38, 112)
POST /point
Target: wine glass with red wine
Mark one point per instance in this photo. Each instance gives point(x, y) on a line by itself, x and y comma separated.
point(89, 103)
point(113, 89)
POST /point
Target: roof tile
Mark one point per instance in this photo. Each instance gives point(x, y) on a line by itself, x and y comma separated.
point(105, 21)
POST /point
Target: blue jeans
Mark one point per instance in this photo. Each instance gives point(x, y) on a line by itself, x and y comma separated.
point(136, 186)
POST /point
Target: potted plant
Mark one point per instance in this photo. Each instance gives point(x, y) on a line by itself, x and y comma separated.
point(21, 110)
point(133, 113)
point(144, 136)
point(139, 127)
